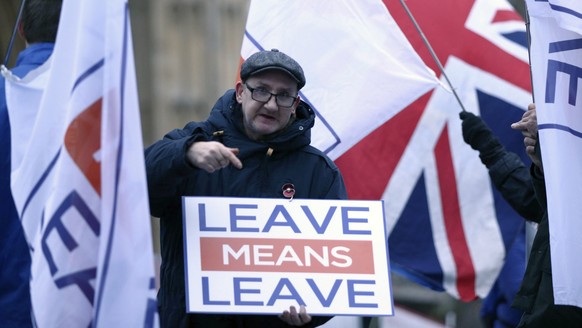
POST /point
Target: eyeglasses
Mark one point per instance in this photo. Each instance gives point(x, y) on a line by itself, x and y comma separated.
point(262, 95)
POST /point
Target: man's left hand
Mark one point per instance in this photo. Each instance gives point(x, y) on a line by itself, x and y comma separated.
point(294, 318)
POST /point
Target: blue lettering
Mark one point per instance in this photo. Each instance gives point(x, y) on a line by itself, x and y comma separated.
point(285, 290)
point(352, 293)
point(238, 291)
point(320, 229)
point(346, 220)
point(73, 200)
point(554, 67)
point(234, 218)
point(202, 220)
point(82, 280)
point(151, 307)
point(280, 209)
point(294, 295)
point(326, 302)
point(574, 72)
point(206, 294)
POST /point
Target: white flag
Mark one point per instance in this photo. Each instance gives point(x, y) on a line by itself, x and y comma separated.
point(80, 188)
point(556, 60)
point(28, 91)
point(567, 13)
point(360, 69)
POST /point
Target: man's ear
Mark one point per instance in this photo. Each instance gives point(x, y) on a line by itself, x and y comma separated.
point(239, 88)
point(295, 104)
point(297, 101)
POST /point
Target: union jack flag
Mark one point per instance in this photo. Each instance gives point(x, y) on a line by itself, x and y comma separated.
point(449, 229)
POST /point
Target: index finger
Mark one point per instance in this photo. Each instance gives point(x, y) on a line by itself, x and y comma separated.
point(230, 154)
point(519, 125)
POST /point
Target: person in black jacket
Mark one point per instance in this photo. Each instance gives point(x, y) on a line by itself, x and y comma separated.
point(536, 295)
point(255, 143)
point(507, 171)
point(511, 177)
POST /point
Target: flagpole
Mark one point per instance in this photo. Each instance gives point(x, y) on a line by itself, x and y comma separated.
point(432, 52)
point(527, 24)
point(530, 227)
point(14, 30)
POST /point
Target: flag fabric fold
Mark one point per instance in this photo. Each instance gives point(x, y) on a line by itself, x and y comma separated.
point(567, 13)
point(79, 180)
point(360, 68)
point(27, 91)
point(556, 61)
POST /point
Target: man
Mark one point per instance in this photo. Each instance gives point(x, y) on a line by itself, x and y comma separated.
point(511, 177)
point(254, 144)
point(536, 295)
point(38, 27)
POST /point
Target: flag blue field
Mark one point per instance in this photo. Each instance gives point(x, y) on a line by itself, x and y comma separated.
point(79, 180)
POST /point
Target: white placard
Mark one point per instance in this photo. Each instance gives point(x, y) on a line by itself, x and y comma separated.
point(255, 255)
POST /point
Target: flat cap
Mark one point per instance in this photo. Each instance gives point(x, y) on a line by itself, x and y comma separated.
point(272, 59)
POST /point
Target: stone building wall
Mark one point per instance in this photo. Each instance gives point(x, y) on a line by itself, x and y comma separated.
point(191, 53)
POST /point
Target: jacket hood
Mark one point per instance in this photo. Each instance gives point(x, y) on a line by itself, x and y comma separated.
point(226, 115)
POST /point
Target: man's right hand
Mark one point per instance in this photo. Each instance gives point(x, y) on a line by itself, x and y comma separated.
point(528, 125)
point(212, 156)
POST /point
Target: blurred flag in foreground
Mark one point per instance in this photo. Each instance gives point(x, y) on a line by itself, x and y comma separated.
point(79, 181)
point(556, 56)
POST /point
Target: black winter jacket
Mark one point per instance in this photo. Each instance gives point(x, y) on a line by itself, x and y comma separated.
point(536, 295)
point(511, 177)
point(269, 164)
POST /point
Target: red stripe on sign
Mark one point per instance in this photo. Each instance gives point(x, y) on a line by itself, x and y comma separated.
point(452, 219)
point(286, 255)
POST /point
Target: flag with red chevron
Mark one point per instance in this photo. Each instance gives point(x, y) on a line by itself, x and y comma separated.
point(448, 227)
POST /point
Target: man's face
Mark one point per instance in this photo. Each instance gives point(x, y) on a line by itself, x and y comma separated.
point(261, 119)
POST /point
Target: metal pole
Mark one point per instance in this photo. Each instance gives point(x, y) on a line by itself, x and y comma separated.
point(531, 228)
point(432, 53)
point(14, 30)
point(527, 29)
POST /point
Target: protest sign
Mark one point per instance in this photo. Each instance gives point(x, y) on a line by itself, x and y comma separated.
point(257, 255)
